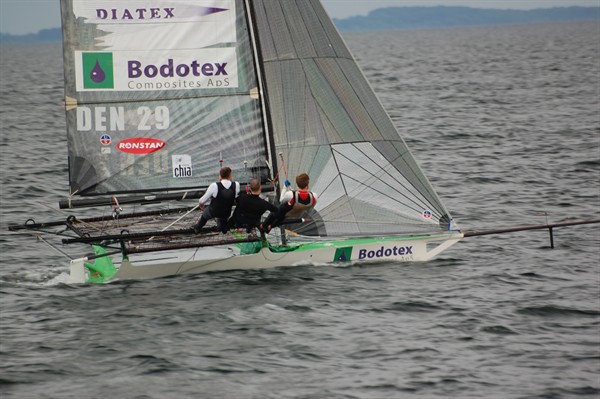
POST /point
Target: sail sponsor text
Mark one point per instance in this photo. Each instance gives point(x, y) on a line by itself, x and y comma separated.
point(385, 252)
point(156, 70)
point(140, 145)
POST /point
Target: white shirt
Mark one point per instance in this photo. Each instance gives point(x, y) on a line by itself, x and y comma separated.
point(213, 190)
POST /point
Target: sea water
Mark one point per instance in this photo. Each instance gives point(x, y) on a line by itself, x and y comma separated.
point(504, 121)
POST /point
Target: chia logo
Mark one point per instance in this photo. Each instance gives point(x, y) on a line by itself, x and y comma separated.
point(98, 70)
point(140, 145)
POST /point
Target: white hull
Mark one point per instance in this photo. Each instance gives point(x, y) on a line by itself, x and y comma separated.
point(228, 257)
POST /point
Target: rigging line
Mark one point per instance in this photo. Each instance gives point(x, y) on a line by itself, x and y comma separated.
point(265, 109)
point(45, 232)
point(384, 194)
point(39, 237)
point(427, 184)
point(417, 172)
point(337, 166)
point(390, 175)
point(283, 166)
point(177, 220)
point(64, 213)
point(379, 222)
point(188, 260)
point(380, 179)
point(330, 184)
point(371, 187)
point(425, 203)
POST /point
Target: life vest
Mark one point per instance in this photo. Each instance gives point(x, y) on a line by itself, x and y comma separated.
point(220, 206)
point(302, 201)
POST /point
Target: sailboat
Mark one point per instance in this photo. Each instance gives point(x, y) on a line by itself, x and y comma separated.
point(160, 94)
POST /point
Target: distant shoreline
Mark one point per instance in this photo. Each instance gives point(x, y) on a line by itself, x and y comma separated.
point(394, 18)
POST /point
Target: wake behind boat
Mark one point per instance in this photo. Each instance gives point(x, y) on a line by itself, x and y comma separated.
point(157, 100)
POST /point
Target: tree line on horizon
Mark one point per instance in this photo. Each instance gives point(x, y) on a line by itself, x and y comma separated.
point(392, 18)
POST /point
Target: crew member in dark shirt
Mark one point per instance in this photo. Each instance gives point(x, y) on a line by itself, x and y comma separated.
point(250, 208)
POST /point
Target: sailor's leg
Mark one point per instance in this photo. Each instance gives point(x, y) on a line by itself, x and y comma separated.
point(222, 225)
point(206, 216)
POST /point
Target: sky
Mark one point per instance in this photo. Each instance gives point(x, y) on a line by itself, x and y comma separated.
point(20, 17)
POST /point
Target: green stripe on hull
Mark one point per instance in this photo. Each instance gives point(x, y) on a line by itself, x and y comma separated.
point(309, 246)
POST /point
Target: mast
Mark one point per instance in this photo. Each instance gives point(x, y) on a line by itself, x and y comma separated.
point(268, 128)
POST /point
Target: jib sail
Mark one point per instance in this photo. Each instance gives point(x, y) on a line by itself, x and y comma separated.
point(328, 122)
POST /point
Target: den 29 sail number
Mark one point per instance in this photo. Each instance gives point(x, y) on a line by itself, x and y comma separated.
point(113, 119)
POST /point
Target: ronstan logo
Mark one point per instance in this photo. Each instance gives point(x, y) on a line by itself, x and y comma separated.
point(140, 145)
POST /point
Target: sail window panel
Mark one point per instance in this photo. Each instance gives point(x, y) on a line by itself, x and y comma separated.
point(343, 86)
point(328, 101)
point(298, 30)
point(334, 38)
point(279, 31)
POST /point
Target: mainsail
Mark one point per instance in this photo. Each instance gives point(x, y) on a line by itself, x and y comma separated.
point(159, 92)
